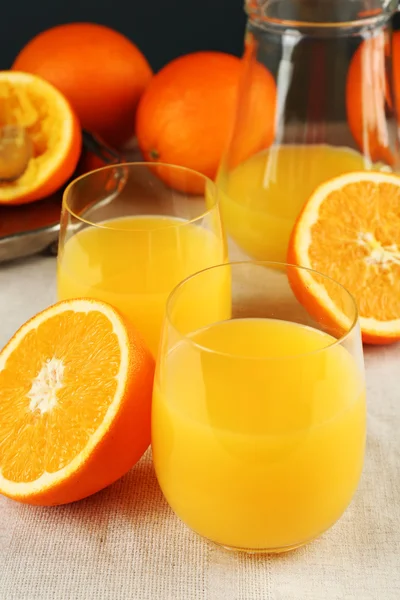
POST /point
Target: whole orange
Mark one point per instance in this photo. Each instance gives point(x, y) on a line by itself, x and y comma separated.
point(368, 95)
point(187, 112)
point(99, 70)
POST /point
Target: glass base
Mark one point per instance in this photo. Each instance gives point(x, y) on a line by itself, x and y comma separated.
point(281, 550)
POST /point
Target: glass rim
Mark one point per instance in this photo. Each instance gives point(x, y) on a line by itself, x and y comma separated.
point(260, 263)
point(128, 165)
point(256, 12)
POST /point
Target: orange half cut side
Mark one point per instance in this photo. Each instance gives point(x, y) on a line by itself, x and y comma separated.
point(350, 230)
point(75, 403)
point(53, 128)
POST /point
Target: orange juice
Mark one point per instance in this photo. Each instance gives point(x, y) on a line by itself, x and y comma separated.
point(259, 432)
point(134, 263)
point(263, 196)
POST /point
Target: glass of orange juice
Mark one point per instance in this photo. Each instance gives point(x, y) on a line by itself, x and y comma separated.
point(259, 413)
point(128, 239)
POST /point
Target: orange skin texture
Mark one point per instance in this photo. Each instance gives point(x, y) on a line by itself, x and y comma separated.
point(122, 445)
point(315, 308)
point(368, 94)
point(186, 115)
point(100, 71)
point(376, 340)
point(396, 71)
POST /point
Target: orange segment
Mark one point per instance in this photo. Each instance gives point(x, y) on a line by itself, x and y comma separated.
point(350, 230)
point(75, 400)
point(51, 124)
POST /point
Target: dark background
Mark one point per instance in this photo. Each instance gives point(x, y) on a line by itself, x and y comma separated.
point(162, 29)
point(165, 29)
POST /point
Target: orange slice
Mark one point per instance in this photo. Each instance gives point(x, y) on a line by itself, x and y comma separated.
point(350, 230)
point(75, 403)
point(38, 107)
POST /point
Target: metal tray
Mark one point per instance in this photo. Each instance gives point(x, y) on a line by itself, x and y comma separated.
point(33, 228)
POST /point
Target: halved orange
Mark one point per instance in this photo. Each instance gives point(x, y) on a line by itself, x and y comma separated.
point(32, 103)
point(75, 403)
point(350, 230)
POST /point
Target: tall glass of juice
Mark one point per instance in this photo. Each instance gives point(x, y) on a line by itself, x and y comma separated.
point(127, 238)
point(259, 414)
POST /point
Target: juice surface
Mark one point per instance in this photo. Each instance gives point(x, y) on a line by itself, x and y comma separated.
point(263, 196)
point(134, 263)
point(259, 444)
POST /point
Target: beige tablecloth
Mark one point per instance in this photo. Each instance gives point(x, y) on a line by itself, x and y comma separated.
point(125, 544)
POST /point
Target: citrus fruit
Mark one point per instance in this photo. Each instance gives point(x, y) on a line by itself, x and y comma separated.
point(100, 71)
point(350, 230)
point(186, 113)
point(367, 96)
point(75, 403)
point(396, 69)
point(49, 121)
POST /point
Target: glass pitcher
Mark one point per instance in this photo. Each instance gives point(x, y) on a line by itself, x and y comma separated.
point(316, 100)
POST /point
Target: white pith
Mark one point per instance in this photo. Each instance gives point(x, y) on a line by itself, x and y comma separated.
point(382, 256)
point(43, 393)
